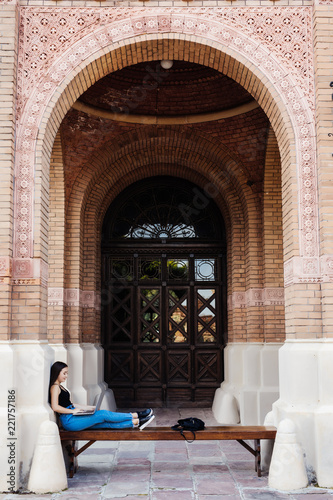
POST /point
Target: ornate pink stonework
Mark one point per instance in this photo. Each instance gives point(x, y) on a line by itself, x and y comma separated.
point(238, 300)
point(5, 266)
point(312, 270)
point(273, 296)
point(23, 268)
point(29, 272)
point(72, 297)
point(256, 297)
point(326, 263)
point(49, 32)
point(55, 296)
point(88, 299)
point(54, 41)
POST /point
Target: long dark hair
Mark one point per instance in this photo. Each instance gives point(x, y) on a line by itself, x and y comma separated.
point(55, 370)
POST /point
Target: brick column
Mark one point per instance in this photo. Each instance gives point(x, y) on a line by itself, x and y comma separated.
point(8, 58)
point(323, 50)
point(274, 328)
point(56, 285)
point(306, 359)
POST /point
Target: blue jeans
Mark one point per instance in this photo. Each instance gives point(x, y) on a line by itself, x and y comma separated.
point(102, 419)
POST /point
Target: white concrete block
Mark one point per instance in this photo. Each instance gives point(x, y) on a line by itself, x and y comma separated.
point(48, 472)
point(287, 469)
point(267, 444)
point(251, 377)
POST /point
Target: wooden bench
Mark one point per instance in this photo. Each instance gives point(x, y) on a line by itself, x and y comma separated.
point(216, 433)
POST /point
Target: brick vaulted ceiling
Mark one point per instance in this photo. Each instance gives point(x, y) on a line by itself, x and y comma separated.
point(147, 89)
point(184, 89)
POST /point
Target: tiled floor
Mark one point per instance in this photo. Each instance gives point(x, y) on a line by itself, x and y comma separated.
point(202, 470)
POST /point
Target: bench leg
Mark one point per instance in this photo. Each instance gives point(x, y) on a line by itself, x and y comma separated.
point(256, 452)
point(71, 455)
point(257, 456)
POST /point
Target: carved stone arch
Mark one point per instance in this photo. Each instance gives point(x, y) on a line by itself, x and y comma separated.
point(275, 90)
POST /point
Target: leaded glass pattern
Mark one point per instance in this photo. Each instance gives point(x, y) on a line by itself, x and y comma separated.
point(149, 269)
point(178, 269)
point(205, 269)
point(163, 208)
point(122, 269)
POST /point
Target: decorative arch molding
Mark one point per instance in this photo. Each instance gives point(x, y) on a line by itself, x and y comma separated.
point(243, 34)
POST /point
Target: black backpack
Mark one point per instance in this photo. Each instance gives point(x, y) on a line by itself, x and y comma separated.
point(191, 424)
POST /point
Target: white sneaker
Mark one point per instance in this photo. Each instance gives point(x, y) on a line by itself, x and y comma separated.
point(146, 421)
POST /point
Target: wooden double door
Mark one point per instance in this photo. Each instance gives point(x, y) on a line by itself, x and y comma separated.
point(163, 318)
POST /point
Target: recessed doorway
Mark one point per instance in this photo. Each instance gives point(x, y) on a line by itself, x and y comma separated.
point(163, 294)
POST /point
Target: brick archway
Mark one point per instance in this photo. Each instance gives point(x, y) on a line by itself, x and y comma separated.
point(112, 169)
point(218, 43)
point(199, 38)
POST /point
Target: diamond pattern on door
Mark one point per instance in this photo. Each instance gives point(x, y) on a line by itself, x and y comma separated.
point(150, 367)
point(178, 367)
point(150, 321)
point(177, 315)
point(121, 367)
point(207, 367)
point(121, 315)
point(164, 329)
point(206, 315)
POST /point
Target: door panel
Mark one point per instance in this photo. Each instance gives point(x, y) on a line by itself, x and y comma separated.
point(178, 368)
point(120, 315)
point(206, 317)
point(121, 366)
point(178, 320)
point(149, 315)
point(207, 366)
point(149, 367)
point(163, 329)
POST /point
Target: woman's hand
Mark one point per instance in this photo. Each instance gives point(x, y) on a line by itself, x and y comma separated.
point(84, 407)
point(76, 411)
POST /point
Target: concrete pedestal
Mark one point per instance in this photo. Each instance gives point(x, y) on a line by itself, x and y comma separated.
point(250, 386)
point(25, 374)
point(48, 472)
point(287, 471)
point(306, 398)
point(27, 367)
point(93, 376)
point(7, 483)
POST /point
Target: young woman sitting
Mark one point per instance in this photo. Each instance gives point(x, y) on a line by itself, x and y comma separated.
point(69, 413)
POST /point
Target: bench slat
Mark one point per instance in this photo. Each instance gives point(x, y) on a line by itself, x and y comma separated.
point(167, 434)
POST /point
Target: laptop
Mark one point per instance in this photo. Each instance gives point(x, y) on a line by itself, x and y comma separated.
point(97, 407)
